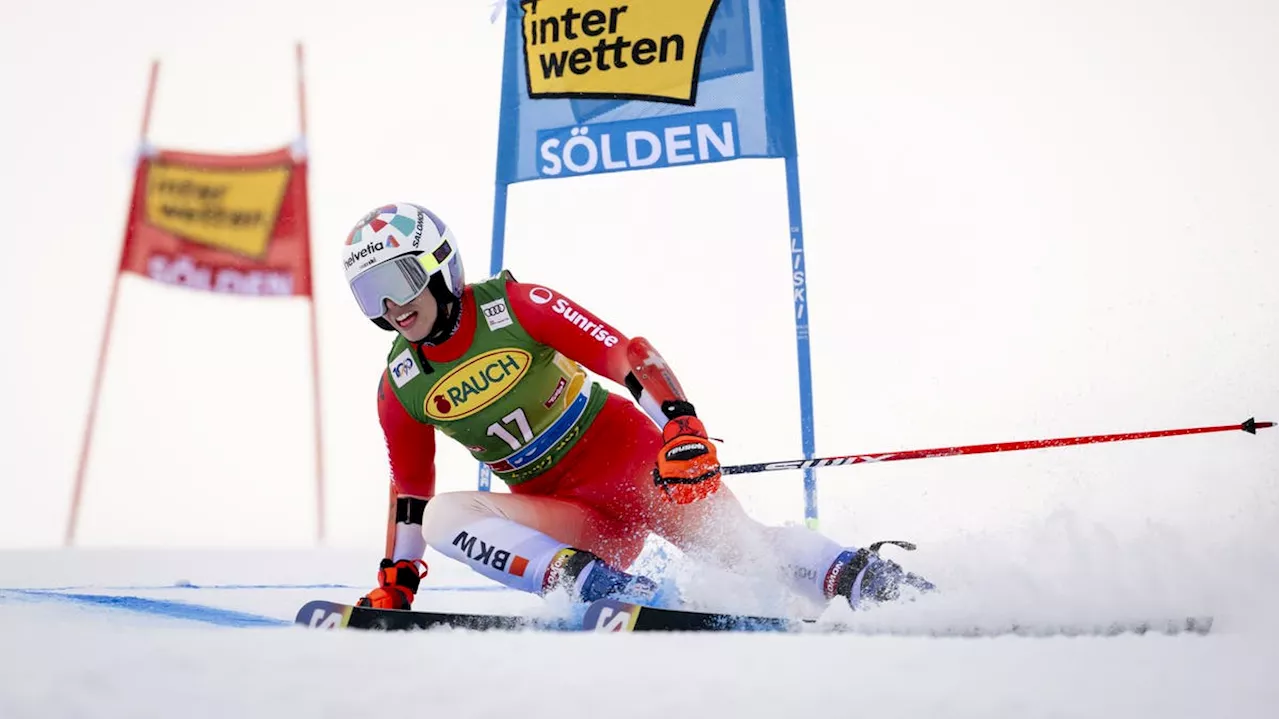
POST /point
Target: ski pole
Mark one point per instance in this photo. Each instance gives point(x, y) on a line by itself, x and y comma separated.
point(1250, 425)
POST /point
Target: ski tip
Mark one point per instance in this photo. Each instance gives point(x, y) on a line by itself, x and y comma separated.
point(304, 614)
point(320, 614)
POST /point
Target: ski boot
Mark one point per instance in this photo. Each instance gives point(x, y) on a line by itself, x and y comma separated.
point(865, 578)
point(587, 578)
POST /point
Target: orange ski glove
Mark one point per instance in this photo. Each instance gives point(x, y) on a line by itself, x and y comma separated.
point(399, 582)
point(687, 468)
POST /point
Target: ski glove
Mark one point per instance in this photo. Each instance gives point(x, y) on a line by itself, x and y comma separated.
point(687, 468)
point(398, 583)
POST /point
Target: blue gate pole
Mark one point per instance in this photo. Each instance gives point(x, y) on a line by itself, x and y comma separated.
point(781, 110)
point(484, 475)
point(505, 162)
point(799, 287)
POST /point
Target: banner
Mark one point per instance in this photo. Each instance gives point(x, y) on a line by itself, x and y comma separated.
point(594, 86)
point(221, 223)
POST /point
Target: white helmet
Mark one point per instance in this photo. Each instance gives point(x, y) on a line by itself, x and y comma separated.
point(397, 251)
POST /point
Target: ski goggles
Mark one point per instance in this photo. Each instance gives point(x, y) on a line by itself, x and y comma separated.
point(400, 280)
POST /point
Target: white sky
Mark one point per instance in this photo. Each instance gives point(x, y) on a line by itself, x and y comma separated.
point(1023, 220)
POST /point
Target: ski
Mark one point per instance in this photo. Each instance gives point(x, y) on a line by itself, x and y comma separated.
point(320, 614)
point(607, 615)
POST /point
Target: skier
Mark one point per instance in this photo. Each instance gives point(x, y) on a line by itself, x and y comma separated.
point(498, 367)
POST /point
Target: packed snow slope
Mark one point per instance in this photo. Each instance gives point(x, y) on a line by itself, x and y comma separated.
point(144, 633)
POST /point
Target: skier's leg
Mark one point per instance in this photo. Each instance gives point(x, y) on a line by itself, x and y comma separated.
point(719, 531)
point(533, 543)
point(809, 562)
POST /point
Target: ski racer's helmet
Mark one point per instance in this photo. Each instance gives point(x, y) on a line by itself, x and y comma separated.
point(397, 251)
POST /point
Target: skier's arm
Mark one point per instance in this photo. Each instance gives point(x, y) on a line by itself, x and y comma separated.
point(411, 449)
point(553, 319)
point(687, 469)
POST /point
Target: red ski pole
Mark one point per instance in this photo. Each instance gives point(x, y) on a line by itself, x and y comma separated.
point(1250, 425)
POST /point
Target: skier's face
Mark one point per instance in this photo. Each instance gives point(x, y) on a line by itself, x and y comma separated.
point(413, 319)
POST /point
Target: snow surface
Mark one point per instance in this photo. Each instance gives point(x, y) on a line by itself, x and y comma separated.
point(66, 658)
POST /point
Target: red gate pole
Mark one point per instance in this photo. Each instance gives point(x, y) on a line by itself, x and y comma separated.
point(87, 441)
point(315, 340)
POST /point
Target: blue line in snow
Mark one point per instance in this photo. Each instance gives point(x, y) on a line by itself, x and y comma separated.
point(160, 587)
point(184, 586)
point(160, 607)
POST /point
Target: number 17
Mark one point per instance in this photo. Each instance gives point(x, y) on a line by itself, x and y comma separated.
point(497, 430)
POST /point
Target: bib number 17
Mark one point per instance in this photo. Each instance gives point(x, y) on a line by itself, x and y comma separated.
point(499, 430)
